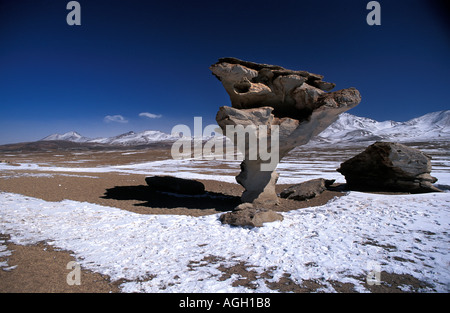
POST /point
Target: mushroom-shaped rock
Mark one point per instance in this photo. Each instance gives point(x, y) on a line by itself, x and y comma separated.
point(284, 109)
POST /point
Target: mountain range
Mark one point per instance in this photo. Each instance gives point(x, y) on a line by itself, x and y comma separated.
point(127, 139)
point(347, 128)
point(353, 129)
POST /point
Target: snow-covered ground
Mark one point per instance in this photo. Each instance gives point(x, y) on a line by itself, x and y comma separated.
point(343, 240)
point(300, 165)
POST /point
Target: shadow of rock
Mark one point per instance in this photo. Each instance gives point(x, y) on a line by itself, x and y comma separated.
point(175, 185)
point(442, 187)
point(158, 199)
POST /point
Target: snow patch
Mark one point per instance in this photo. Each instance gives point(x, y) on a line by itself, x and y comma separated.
point(404, 234)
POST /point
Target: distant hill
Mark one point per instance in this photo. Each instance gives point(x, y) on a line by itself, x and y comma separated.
point(48, 146)
point(66, 145)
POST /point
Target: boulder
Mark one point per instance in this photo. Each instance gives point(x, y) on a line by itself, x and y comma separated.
point(248, 215)
point(387, 166)
point(175, 185)
point(306, 190)
point(293, 106)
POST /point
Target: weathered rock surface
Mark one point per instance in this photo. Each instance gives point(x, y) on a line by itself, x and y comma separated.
point(306, 190)
point(296, 102)
point(248, 215)
point(387, 166)
point(175, 185)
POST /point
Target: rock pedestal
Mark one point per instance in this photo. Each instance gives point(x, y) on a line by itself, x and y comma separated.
point(293, 106)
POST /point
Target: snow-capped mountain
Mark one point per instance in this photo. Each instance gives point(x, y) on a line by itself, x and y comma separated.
point(349, 128)
point(69, 136)
point(127, 139)
point(132, 138)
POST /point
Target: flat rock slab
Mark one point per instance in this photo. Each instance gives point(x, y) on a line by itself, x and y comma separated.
point(175, 185)
point(306, 190)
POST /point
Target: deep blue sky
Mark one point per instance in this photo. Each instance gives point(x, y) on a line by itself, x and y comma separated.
point(130, 57)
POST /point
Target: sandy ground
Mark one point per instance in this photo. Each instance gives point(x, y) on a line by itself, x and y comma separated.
point(41, 268)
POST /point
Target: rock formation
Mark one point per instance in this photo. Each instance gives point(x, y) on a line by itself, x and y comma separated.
point(307, 190)
point(387, 166)
point(298, 103)
point(248, 215)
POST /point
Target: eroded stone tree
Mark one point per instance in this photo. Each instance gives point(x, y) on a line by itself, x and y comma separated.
point(299, 103)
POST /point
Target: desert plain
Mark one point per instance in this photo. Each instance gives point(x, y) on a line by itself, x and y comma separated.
point(58, 200)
